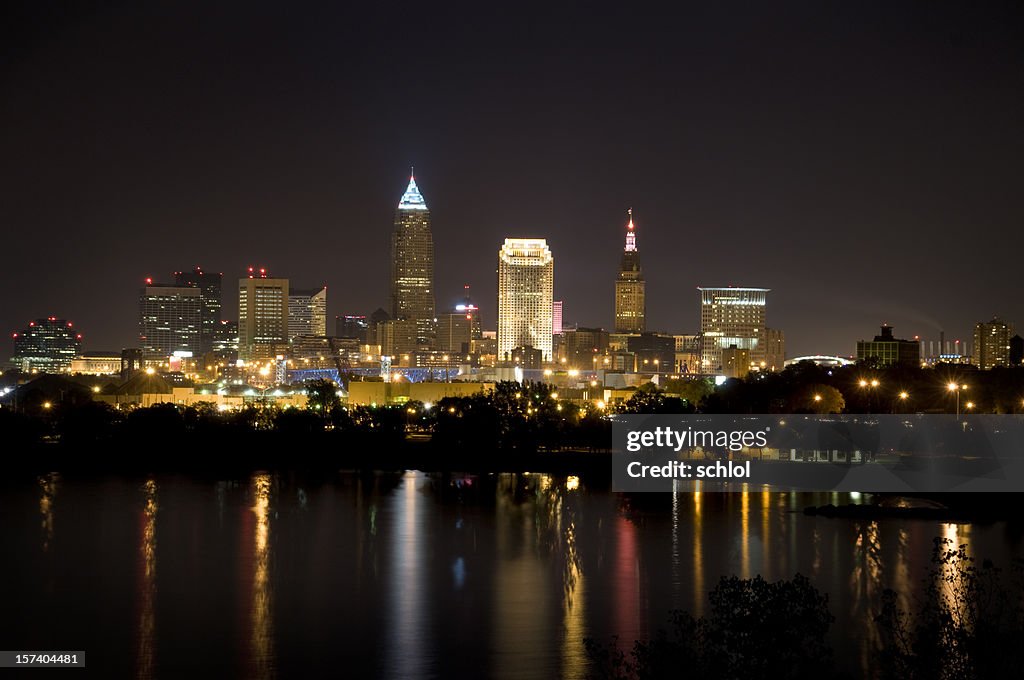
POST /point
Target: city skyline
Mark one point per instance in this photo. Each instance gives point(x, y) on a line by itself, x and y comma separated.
point(846, 172)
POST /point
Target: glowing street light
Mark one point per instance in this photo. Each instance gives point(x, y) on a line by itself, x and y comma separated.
point(956, 387)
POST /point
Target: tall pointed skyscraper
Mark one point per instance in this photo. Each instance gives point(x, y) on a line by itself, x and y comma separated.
point(412, 265)
point(630, 302)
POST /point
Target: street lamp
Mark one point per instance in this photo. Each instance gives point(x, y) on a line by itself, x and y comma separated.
point(872, 385)
point(956, 387)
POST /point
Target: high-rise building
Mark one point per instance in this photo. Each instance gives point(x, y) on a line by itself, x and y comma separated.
point(992, 344)
point(728, 317)
point(556, 317)
point(262, 315)
point(307, 312)
point(472, 313)
point(886, 350)
point(209, 285)
point(47, 345)
point(170, 320)
point(412, 265)
point(630, 301)
point(526, 275)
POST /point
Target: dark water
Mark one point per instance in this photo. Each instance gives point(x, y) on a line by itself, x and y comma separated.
point(413, 576)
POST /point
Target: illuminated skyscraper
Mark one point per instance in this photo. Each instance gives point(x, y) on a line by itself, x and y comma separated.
point(731, 317)
point(47, 345)
point(630, 303)
point(262, 315)
point(307, 312)
point(526, 274)
point(412, 265)
point(170, 320)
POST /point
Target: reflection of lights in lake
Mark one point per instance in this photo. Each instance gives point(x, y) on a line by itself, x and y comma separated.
point(146, 634)
point(572, 483)
point(262, 606)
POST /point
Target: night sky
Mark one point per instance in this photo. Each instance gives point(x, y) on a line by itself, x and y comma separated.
point(864, 161)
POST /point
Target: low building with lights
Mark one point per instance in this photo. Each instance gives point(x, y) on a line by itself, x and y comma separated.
point(885, 350)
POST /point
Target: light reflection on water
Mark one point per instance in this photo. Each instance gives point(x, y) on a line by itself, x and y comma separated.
point(384, 569)
point(146, 634)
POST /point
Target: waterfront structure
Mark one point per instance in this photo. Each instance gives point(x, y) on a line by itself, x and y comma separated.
point(307, 312)
point(412, 265)
point(992, 344)
point(630, 300)
point(262, 315)
point(526, 274)
point(730, 316)
point(209, 285)
point(46, 345)
point(170, 320)
point(885, 350)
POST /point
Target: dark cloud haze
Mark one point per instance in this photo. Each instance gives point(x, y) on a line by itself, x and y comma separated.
point(862, 160)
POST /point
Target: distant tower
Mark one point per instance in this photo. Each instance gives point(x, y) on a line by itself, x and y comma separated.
point(630, 302)
point(412, 265)
point(526, 273)
point(209, 285)
point(262, 315)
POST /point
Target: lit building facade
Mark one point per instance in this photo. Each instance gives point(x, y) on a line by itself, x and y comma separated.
point(992, 344)
point(526, 275)
point(262, 316)
point(307, 312)
point(730, 317)
point(630, 300)
point(170, 320)
point(412, 265)
point(46, 345)
point(209, 285)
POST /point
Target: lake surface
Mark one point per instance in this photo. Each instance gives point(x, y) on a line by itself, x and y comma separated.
point(414, 575)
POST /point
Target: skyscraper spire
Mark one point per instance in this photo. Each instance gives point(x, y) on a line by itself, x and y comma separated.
point(412, 199)
point(630, 234)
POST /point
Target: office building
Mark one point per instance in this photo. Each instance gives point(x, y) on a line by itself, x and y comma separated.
point(630, 301)
point(526, 275)
point(992, 344)
point(885, 350)
point(730, 317)
point(209, 285)
point(262, 316)
point(46, 345)
point(556, 317)
point(584, 348)
point(412, 265)
point(307, 312)
point(170, 320)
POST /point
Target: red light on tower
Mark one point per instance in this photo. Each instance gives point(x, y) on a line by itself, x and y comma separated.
point(149, 281)
point(31, 324)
